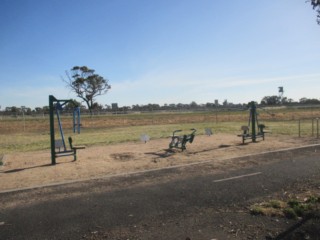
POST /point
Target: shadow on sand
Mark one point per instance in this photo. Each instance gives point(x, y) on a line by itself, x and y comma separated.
point(27, 168)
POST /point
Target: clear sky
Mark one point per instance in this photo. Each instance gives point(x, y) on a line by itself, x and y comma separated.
point(160, 51)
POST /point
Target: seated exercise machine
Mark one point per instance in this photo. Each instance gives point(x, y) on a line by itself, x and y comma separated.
point(254, 130)
point(181, 141)
point(58, 146)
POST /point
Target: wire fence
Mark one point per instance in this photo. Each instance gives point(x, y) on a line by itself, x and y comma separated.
point(308, 127)
point(290, 124)
point(296, 128)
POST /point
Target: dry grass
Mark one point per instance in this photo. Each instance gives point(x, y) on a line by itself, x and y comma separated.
point(18, 135)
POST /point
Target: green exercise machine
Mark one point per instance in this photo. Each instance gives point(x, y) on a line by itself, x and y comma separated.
point(254, 130)
point(181, 141)
point(58, 146)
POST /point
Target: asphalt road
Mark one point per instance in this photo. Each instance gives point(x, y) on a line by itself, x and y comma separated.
point(167, 204)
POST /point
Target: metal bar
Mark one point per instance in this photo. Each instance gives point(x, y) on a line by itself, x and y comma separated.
point(53, 156)
point(61, 131)
point(74, 121)
point(253, 121)
point(79, 119)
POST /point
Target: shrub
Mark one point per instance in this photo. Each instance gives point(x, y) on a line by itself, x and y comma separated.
point(290, 213)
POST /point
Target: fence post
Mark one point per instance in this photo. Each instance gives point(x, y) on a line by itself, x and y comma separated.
point(317, 127)
point(299, 127)
point(312, 127)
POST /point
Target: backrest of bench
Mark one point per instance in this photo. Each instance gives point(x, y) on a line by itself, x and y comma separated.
point(244, 128)
point(70, 142)
point(261, 128)
point(58, 144)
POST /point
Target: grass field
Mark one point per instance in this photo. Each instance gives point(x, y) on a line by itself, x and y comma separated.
point(32, 133)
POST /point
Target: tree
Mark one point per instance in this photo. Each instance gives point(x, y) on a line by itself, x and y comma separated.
point(86, 84)
point(38, 109)
point(71, 105)
point(271, 100)
point(309, 101)
point(97, 106)
point(193, 105)
point(316, 6)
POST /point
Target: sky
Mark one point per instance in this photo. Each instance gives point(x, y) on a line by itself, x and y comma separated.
point(159, 51)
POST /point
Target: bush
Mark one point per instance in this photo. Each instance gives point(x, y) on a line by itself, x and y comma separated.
point(290, 213)
point(257, 211)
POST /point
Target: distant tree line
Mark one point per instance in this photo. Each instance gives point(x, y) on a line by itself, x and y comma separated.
point(152, 107)
point(277, 100)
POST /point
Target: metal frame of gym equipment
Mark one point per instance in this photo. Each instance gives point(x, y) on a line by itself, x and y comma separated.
point(181, 141)
point(257, 130)
point(57, 104)
point(76, 120)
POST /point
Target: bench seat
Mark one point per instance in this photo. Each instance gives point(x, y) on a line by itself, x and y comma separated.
point(71, 152)
point(245, 135)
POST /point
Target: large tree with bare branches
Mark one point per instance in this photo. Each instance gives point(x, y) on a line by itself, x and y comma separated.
point(86, 84)
point(316, 6)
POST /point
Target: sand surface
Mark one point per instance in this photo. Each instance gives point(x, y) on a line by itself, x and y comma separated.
point(31, 169)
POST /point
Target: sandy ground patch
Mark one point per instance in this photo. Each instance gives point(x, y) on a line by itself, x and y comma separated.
point(22, 170)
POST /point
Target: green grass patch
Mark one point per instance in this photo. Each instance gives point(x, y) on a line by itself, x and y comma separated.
point(290, 213)
point(270, 208)
point(33, 133)
point(291, 209)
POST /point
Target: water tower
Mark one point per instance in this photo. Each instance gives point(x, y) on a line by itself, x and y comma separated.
point(281, 93)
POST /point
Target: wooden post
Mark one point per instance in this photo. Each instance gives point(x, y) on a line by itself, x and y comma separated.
point(317, 127)
point(299, 123)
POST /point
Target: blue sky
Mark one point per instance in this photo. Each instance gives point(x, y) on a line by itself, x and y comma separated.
point(160, 51)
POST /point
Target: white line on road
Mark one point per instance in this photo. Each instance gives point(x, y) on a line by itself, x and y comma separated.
point(236, 177)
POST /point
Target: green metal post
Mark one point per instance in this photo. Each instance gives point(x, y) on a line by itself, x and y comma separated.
point(53, 156)
point(253, 121)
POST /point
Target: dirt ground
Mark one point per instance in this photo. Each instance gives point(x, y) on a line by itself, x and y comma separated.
point(32, 169)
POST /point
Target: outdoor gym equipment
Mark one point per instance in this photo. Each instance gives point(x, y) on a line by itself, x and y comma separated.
point(208, 131)
point(257, 130)
point(144, 138)
point(76, 120)
point(60, 145)
point(181, 141)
